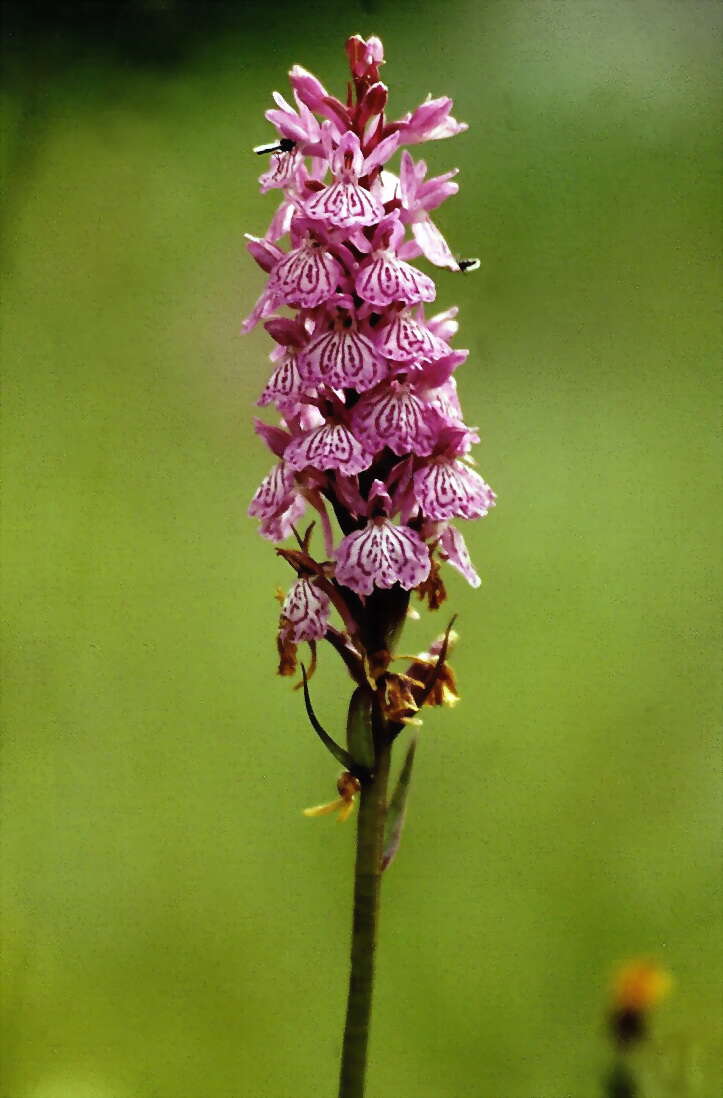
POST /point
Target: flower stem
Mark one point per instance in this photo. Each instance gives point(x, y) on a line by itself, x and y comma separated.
point(367, 881)
point(620, 1083)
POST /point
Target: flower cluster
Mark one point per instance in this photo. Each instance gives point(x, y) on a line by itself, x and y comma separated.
point(371, 430)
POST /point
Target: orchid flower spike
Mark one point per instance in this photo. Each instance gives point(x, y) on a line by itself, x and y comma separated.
point(370, 435)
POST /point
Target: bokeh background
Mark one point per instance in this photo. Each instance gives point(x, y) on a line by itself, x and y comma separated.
point(172, 926)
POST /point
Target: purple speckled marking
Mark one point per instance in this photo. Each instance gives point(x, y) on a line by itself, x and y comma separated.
point(446, 489)
point(331, 446)
point(307, 609)
point(343, 359)
point(381, 555)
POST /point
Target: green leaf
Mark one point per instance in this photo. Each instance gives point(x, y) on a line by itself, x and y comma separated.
point(331, 745)
point(397, 808)
point(359, 735)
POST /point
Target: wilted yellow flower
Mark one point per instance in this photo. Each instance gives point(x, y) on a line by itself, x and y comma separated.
point(348, 787)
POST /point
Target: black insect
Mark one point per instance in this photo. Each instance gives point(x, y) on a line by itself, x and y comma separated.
point(468, 264)
point(285, 145)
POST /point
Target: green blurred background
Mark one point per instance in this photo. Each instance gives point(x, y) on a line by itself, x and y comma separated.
point(172, 926)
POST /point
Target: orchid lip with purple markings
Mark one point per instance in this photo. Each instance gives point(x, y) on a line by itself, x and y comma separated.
point(371, 431)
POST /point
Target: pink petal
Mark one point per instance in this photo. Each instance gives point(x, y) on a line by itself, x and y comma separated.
point(307, 609)
point(275, 492)
point(265, 252)
point(275, 437)
point(396, 418)
point(281, 221)
point(445, 325)
point(381, 555)
point(433, 244)
point(280, 526)
point(331, 446)
point(346, 160)
point(282, 167)
point(383, 152)
point(405, 340)
point(310, 91)
point(267, 302)
point(344, 359)
point(284, 386)
point(307, 276)
point(384, 279)
point(445, 489)
point(431, 121)
point(286, 331)
point(453, 549)
point(345, 205)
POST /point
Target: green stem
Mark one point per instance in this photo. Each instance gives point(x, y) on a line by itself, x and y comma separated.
point(367, 880)
point(620, 1082)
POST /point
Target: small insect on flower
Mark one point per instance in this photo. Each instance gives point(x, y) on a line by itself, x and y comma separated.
point(468, 265)
point(348, 786)
point(285, 145)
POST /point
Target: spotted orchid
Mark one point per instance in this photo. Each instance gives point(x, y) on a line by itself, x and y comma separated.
point(371, 439)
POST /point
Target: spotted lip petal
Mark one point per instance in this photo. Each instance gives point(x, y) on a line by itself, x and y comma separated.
point(307, 276)
point(393, 416)
point(306, 609)
point(331, 446)
point(278, 503)
point(342, 358)
point(281, 171)
point(446, 488)
point(384, 279)
point(274, 493)
point(406, 340)
point(281, 526)
point(345, 205)
point(284, 386)
point(381, 555)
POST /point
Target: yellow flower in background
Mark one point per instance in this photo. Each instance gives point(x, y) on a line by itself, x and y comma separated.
point(637, 986)
point(640, 984)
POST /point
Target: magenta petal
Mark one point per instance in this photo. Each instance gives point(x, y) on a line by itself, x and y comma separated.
point(281, 221)
point(445, 489)
point(275, 492)
point(393, 416)
point(384, 279)
point(430, 122)
point(383, 152)
point(345, 205)
point(405, 340)
point(307, 276)
point(309, 90)
point(281, 170)
point(452, 547)
point(331, 446)
point(433, 244)
point(275, 437)
point(265, 305)
point(342, 359)
point(287, 332)
point(280, 526)
point(265, 252)
point(444, 325)
point(307, 610)
point(284, 386)
point(381, 555)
